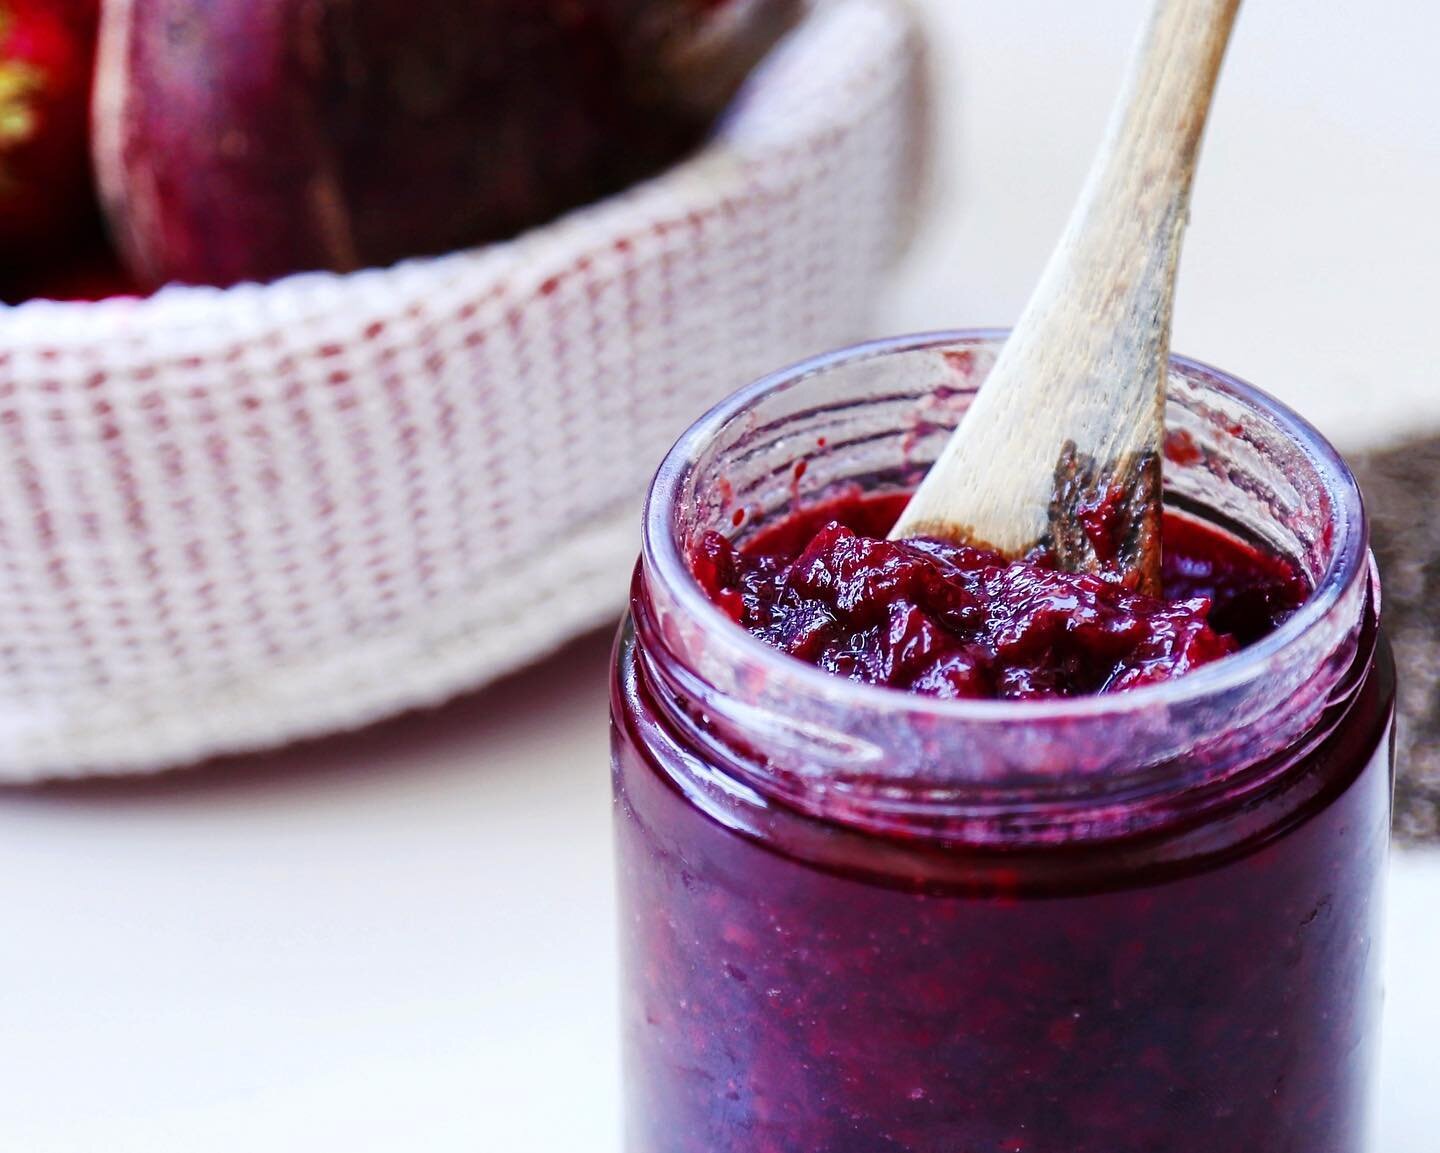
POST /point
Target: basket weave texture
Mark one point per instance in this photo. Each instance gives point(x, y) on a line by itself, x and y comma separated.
point(230, 519)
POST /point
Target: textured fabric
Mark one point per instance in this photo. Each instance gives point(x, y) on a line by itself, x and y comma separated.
point(233, 518)
point(1402, 490)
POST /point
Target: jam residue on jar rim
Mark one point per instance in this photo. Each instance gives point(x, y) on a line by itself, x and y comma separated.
point(1342, 579)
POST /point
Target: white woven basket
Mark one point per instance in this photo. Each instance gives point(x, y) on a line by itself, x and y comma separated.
point(233, 518)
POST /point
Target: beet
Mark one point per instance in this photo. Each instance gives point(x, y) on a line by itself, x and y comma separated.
point(245, 139)
point(47, 63)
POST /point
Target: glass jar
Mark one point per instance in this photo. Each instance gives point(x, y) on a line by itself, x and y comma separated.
point(855, 919)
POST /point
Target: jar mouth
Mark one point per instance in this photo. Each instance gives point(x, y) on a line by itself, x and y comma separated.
point(664, 557)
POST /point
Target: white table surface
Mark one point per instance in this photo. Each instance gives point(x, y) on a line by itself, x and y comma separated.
point(403, 939)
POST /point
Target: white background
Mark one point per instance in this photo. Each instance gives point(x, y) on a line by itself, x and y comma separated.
point(403, 939)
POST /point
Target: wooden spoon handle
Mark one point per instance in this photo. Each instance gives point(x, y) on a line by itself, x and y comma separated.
point(1155, 132)
point(1072, 415)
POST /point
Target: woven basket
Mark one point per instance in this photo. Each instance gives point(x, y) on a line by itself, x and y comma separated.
point(229, 519)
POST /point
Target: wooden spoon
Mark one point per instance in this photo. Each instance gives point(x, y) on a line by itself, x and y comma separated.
point(1061, 447)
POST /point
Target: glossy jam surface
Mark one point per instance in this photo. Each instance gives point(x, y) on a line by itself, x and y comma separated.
point(953, 621)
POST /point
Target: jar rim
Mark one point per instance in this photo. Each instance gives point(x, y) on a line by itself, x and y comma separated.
point(664, 557)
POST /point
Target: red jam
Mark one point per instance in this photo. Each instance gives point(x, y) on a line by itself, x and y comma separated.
point(953, 621)
point(806, 983)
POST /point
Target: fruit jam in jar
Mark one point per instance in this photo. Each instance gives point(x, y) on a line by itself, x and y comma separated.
point(857, 918)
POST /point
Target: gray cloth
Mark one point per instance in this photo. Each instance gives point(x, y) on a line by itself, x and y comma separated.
point(1402, 492)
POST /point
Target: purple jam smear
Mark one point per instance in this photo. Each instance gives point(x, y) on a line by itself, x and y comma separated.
point(954, 621)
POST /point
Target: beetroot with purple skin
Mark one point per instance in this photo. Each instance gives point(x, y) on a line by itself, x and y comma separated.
point(246, 139)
